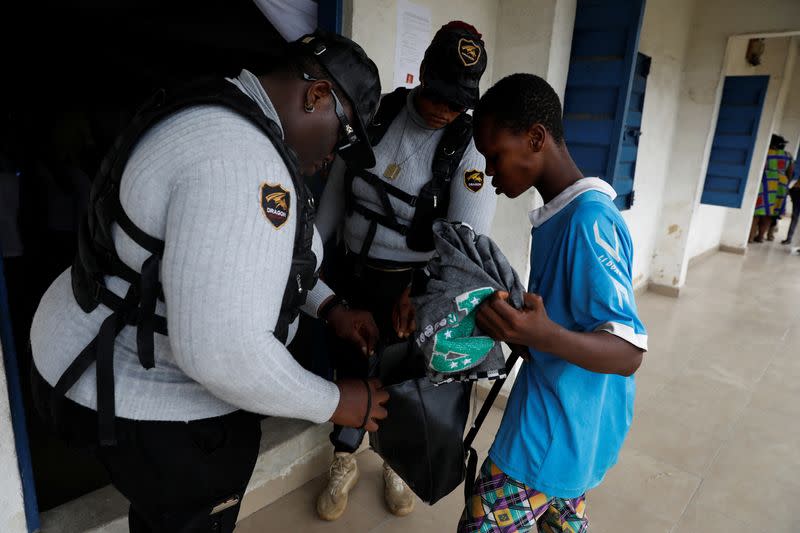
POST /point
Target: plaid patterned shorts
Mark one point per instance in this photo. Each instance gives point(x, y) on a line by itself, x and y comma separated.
point(504, 505)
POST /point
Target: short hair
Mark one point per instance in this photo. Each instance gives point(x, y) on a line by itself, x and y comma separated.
point(519, 101)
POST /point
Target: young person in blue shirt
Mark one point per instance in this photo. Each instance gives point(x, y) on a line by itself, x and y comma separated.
point(572, 403)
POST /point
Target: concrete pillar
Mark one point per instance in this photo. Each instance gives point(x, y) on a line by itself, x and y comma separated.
point(714, 21)
point(664, 38)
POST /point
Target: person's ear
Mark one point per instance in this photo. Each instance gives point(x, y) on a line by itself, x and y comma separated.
point(317, 95)
point(537, 134)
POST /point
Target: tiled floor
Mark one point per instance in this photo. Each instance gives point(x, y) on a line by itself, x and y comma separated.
point(714, 444)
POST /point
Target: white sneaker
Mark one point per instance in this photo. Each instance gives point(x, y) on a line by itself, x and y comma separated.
point(399, 498)
point(342, 477)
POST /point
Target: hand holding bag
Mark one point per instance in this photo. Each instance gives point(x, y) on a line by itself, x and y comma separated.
point(423, 437)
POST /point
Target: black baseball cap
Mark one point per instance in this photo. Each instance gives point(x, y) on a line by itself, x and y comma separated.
point(454, 63)
point(352, 70)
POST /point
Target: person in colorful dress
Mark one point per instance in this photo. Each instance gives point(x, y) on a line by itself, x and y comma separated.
point(773, 190)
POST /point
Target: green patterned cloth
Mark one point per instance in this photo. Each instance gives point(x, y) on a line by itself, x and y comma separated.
point(466, 269)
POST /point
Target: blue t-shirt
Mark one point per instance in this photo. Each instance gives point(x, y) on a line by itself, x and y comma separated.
point(563, 426)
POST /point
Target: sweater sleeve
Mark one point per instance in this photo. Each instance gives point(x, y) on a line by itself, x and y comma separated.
point(472, 198)
point(226, 262)
point(316, 297)
point(331, 205)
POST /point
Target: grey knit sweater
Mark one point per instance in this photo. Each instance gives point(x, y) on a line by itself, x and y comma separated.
point(193, 180)
point(410, 142)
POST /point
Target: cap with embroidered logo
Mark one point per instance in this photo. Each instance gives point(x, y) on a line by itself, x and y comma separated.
point(454, 63)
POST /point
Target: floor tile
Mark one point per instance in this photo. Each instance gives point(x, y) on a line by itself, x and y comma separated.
point(762, 443)
point(651, 485)
point(698, 519)
point(733, 360)
point(296, 512)
point(443, 517)
point(762, 504)
point(666, 438)
point(756, 472)
point(700, 402)
point(779, 388)
point(616, 516)
point(713, 446)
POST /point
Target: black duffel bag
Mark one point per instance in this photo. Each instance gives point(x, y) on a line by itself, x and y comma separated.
point(422, 439)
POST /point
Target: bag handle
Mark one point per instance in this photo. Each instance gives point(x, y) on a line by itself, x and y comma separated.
point(472, 455)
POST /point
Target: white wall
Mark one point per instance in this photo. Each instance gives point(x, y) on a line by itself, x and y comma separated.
point(664, 37)
point(706, 229)
point(710, 223)
point(373, 25)
point(12, 511)
point(534, 37)
point(713, 22)
point(778, 62)
point(687, 40)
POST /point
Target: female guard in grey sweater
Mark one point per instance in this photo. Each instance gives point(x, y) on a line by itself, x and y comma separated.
point(426, 167)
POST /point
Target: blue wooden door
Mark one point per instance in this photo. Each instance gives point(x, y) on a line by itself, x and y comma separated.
point(734, 140)
point(631, 131)
point(600, 131)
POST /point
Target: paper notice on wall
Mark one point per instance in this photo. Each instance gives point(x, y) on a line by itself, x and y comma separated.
point(413, 37)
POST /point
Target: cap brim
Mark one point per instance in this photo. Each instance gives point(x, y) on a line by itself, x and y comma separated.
point(360, 154)
point(467, 97)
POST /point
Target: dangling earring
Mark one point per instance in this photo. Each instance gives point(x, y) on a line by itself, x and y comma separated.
point(309, 108)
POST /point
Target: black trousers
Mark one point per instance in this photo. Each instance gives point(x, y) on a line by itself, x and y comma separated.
point(375, 291)
point(174, 474)
point(794, 194)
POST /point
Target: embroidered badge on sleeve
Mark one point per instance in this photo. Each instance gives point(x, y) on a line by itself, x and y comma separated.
point(275, 202)
point(474, 179)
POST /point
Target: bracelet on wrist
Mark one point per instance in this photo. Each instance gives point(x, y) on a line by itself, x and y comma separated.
point(332, 303)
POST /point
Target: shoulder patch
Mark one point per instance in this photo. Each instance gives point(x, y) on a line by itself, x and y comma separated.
point(474, 179)
point(275, 202)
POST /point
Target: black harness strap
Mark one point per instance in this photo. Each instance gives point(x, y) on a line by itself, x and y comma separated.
point(378, 218)
point(388, 189)
point(101, 352)
point(472, 455)
point(433, 200)
point(151, 244)
point(98, 258)
point(145, 325)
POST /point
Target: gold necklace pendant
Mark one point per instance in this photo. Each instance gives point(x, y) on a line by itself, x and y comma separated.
point(392, 171)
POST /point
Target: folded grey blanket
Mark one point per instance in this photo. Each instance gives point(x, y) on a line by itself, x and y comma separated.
point(466, 269)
